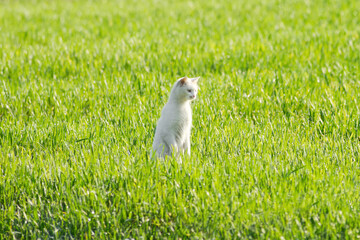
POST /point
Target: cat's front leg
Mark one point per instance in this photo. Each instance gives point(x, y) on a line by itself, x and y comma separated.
point(187, 145)
point(173, 147)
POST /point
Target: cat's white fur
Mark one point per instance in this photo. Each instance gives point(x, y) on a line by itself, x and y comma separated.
point(172, 133)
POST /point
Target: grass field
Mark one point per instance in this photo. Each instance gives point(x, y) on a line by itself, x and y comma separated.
point(276, 136)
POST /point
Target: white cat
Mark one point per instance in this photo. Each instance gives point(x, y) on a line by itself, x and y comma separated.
point(172, 133)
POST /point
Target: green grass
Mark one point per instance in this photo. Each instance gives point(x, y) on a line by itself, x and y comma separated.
point(276, 136)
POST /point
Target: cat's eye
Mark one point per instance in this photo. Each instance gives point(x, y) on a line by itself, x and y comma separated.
point(189, 90)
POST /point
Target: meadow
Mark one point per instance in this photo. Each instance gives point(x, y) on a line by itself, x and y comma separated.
point(276, 125)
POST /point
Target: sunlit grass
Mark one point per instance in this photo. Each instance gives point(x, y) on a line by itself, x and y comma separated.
point(275, 142)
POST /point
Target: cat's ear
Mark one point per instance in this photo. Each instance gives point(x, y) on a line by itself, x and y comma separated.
point(182, 81)
point(195, 80)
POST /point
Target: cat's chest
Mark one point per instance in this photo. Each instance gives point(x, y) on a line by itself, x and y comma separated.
point(180, 116)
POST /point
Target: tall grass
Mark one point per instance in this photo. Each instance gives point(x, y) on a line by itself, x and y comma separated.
point(276, 136)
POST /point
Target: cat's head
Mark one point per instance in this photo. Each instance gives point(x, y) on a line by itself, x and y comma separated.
point(186, 88)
